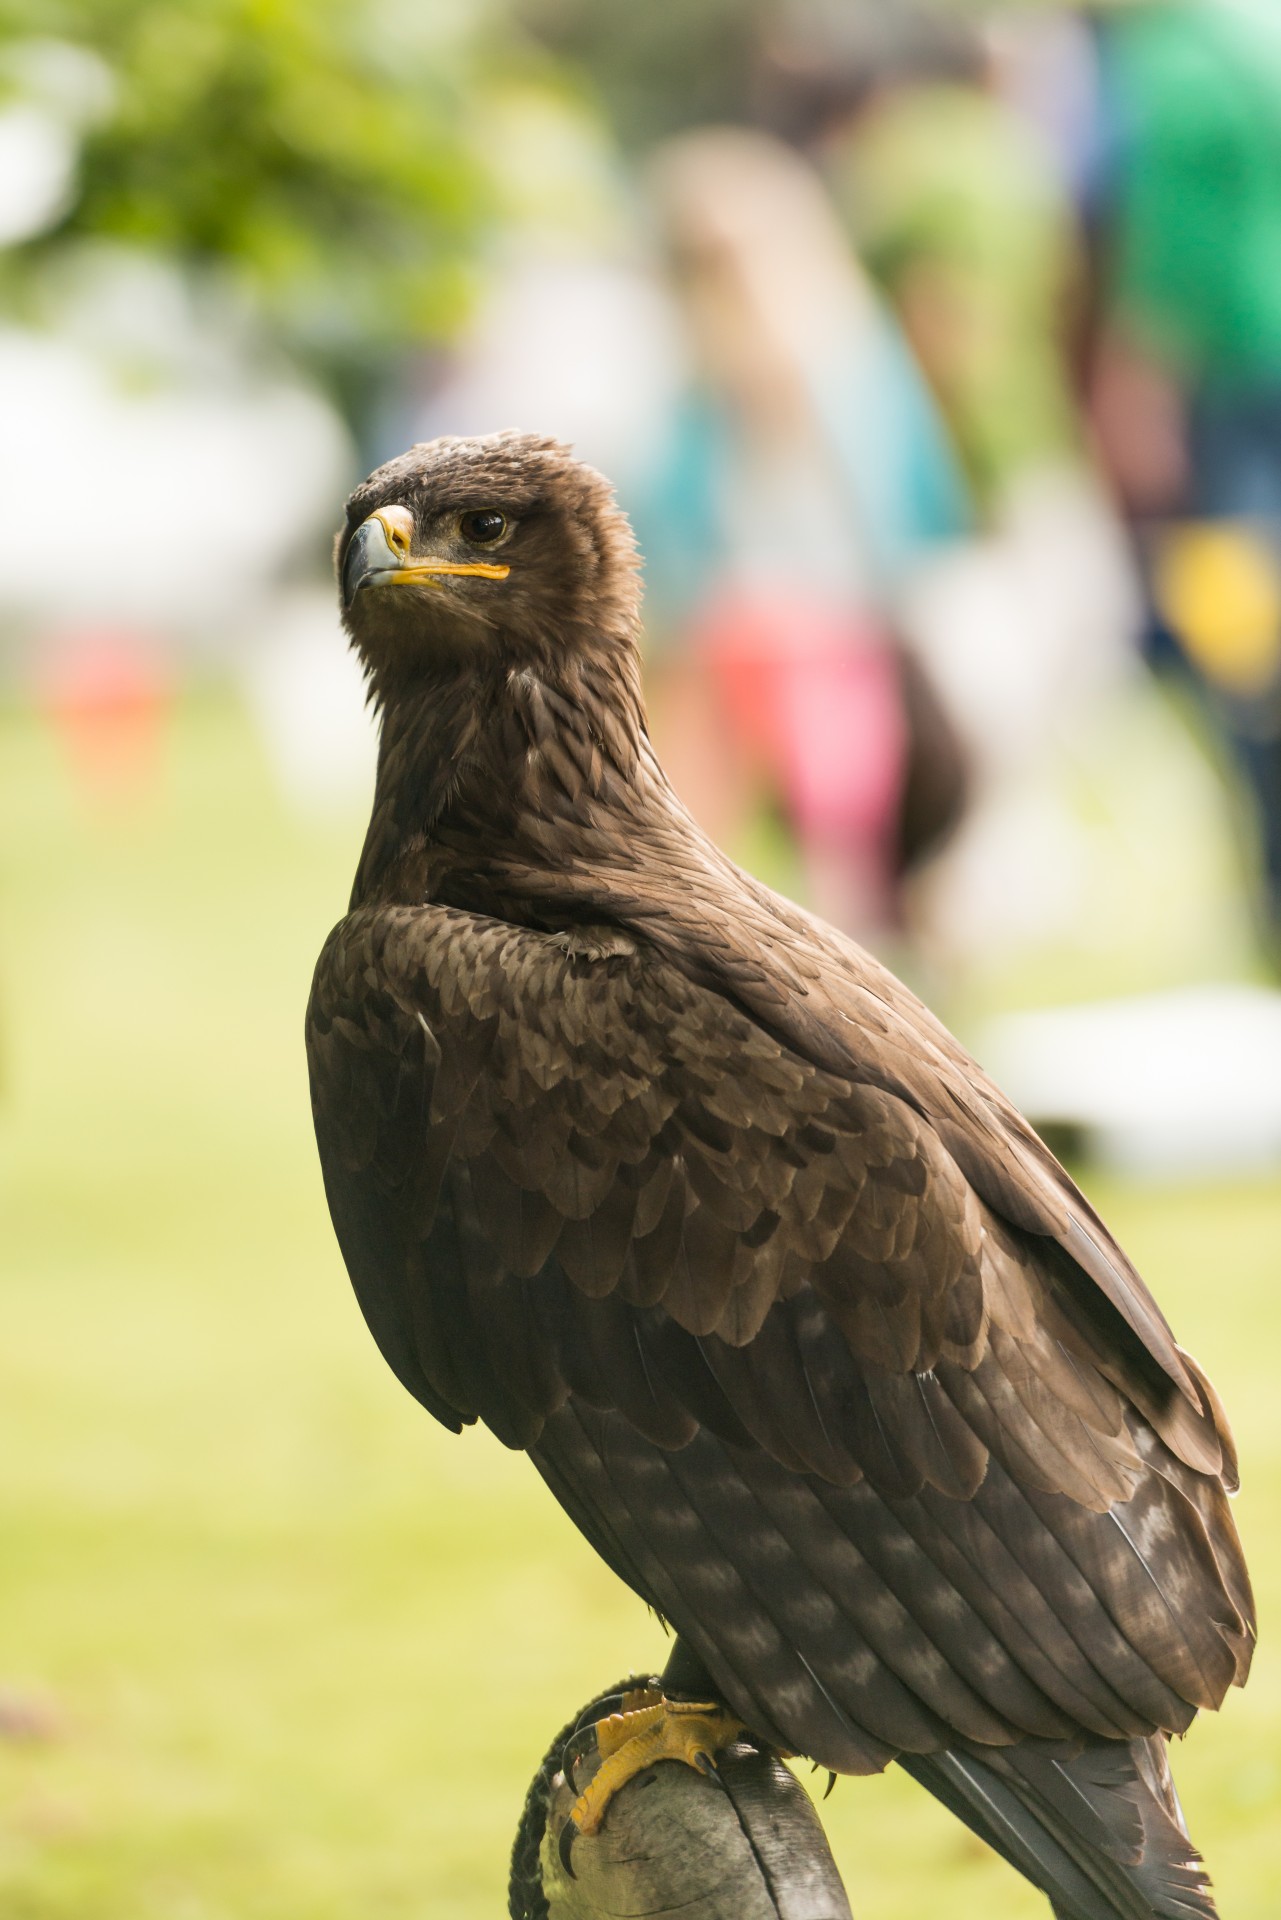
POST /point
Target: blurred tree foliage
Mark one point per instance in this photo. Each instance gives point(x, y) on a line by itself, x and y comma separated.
point(321, 151)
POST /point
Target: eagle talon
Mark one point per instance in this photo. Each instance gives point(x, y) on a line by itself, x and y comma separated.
point(577, 1749)
point(650, 1728)
point(565, 1846)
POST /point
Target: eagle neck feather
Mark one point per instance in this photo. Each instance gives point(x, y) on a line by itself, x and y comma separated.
point(509, 766)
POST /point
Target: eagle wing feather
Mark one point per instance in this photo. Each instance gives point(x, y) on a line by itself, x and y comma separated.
point(756, 1318)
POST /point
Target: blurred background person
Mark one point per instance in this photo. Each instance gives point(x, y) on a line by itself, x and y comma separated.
point(953, 157)
point(960, 216)
point(801, 477)
point(1186, 375)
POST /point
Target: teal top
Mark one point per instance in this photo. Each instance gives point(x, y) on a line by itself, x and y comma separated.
point(894, 481)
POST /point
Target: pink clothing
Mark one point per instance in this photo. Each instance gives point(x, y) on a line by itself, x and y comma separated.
point(812, 693)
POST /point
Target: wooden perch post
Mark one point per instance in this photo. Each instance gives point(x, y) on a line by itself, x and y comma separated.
point(675, 1843)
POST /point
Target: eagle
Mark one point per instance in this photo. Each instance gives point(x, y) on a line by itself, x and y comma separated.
point(678, 1189)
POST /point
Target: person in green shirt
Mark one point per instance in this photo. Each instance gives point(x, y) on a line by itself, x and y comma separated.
point(1187, 386)
point(1196, 92)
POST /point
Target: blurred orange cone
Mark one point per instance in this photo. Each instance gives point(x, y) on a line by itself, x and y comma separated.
point(108, 697)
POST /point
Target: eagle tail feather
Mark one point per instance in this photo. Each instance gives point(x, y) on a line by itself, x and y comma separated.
point(1099, 1832)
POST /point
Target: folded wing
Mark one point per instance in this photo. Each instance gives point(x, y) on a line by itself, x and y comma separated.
point(836, 1368)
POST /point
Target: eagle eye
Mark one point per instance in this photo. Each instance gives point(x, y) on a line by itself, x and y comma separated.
point(483, 526)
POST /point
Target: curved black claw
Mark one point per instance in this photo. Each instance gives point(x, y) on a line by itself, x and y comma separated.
point(577, 1748)
point(601, 1710)
point(831, 1782)
point(583, 1738)
point(565, 1847)
point(710, 1771)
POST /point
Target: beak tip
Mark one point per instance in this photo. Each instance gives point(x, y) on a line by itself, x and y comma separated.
point(369, 551)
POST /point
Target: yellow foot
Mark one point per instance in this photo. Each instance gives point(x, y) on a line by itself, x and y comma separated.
point(650, 1727)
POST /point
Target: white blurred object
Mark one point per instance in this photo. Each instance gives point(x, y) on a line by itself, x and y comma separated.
point(573, 336)
point(37, 167)
point(579, 348)
point(187, 494)
point(1093, 816)
point(54, 90)
point(1181, 1082)
point(1109, 865)
point(70, 82)
point(307, 693)
point(1023, 629)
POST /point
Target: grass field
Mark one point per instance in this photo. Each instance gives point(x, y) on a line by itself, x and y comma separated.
point(289, 1651)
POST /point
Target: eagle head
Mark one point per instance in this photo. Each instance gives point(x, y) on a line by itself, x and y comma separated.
point(501, 550)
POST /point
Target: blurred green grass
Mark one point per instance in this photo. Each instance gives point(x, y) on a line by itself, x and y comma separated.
point(301, 1649)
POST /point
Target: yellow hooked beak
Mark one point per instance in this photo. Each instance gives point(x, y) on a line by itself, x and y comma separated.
point(380, 556)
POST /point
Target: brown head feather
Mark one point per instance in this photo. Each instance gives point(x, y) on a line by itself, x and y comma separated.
point(572, 586)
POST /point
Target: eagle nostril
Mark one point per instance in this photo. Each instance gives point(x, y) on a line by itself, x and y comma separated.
point(398, 526)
